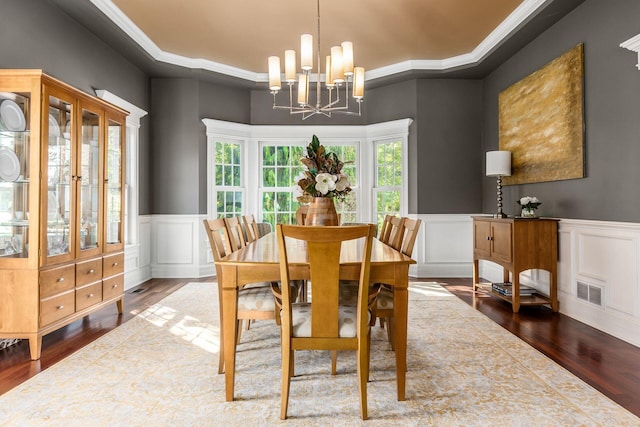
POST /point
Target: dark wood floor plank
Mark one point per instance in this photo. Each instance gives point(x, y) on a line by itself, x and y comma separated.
point(610, 365)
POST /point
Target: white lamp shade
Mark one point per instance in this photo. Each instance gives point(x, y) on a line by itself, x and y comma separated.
point(306, 51)
point(274, 73)
point(290, 66)
point(328, 78)
point(347, 58)
point(337, 68)
point(303, 89)
point(498, 163)
point(358, 83)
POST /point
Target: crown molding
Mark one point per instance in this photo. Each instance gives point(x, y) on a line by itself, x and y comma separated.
point(523, 13)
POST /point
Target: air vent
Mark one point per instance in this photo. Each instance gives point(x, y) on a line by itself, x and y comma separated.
point(590, 293)
point(138, 291)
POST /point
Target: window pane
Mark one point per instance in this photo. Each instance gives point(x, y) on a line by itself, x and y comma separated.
point(268, 156)
point(268, 177)
point(228, 178)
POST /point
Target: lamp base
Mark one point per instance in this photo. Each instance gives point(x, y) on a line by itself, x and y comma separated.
point(500, 215)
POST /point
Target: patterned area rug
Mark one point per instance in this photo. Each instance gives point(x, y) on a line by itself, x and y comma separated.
point(160, 368)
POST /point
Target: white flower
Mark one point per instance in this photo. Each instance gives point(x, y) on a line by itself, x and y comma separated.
point(343, 183)
point(525, 200)
point(325, 182)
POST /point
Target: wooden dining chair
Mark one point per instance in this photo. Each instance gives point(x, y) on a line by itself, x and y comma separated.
point(384, 303)
point(236, 234)
point(254, 302)
point(323, 324)
point(301, 214)
point(250, 228)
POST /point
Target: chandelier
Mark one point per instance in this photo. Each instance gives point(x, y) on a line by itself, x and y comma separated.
point(340, 74)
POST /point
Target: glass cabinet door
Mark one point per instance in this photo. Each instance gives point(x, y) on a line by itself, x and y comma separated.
point(114, 184)
point(14, 174)
point(59, 207)
point(89, 179)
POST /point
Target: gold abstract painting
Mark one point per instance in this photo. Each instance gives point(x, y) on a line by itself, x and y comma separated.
point(541, 122)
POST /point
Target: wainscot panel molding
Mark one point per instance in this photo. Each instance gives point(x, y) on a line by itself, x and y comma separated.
point(443, 246)
point(598, 281)
point(179, 247)
point(137, 256)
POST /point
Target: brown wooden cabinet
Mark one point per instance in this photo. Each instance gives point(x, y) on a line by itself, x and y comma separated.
point(61, 205)
point(518, 244)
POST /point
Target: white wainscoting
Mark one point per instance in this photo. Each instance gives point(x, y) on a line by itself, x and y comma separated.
point(137, 256)
point(179, 247)
point(443, 247)
point(604, 255)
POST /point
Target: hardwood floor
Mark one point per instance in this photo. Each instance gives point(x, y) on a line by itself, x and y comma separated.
point(608, 364)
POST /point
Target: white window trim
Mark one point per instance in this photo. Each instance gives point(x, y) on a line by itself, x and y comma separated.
point(254, 136)
point(132, 149)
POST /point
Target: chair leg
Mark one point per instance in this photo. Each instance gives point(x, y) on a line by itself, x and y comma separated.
point(391, 325)
point(238, 331)
point(363, 375)
point(334, 361)
point(369, 354)
point(221, 354)
point(287, 355)
point(248, 325)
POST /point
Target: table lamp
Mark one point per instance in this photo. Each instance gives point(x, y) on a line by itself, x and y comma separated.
point(499, 165)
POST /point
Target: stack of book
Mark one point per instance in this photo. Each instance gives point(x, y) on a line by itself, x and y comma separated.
point(506, 289)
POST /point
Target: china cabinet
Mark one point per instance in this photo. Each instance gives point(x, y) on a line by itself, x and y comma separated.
point(61, 205)
point(518, 244)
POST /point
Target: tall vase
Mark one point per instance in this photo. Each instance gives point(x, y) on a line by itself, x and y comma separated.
point(322, 211)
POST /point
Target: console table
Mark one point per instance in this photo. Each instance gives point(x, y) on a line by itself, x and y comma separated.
point(518, 244)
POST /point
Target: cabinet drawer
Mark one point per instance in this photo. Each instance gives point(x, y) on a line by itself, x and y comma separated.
point(88, 295)
point(112, 265)
point(56, 308)
point(57, 280)
point(112, 287)
point(88, 272)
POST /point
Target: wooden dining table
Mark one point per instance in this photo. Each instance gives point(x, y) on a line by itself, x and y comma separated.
point(258, 262)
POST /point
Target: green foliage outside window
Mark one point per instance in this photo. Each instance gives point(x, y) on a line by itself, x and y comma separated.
point(227, 180)
point(388, 179)
point(281, 165)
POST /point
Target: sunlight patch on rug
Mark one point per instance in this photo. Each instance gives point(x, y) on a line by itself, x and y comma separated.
point(160, 368)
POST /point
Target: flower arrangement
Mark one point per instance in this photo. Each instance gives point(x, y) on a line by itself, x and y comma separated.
point(529, 202)
point(323, 175)
point(529, 205)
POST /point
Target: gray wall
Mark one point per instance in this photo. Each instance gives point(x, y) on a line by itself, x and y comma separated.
point(612, 114)
point(34, 34)
point(448, 160)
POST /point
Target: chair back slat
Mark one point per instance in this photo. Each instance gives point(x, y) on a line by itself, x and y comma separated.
point(218, 238)
point(393, 231)
point(411, 227)
point(236, 236)
point(250, 228)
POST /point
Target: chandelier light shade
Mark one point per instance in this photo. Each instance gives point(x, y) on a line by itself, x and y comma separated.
point(498, 164)
point(341, 78)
